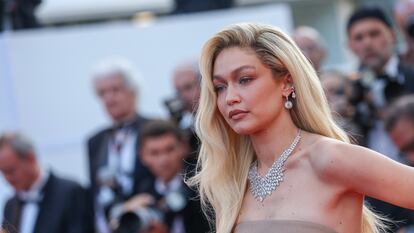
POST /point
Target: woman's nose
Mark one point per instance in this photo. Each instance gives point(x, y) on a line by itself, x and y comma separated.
point(232, 96)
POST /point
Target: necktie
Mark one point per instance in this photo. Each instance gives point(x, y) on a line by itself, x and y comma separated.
point(17, 214)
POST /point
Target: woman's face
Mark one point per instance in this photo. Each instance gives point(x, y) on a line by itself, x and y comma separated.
point(248, 96)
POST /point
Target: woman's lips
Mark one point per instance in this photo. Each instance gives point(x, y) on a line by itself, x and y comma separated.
point(237, 114)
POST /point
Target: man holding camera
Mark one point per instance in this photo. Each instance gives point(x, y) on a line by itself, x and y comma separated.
point(382, 79)
point(399, 123)
point(114, 161)
point(382, 76)
point(163, 149)
point(186, 80)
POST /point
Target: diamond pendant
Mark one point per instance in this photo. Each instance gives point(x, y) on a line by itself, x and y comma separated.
point(261, 187)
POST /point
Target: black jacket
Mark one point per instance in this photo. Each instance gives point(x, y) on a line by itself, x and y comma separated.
point(98, 156)
point(62, 208)
point(193, 217)
point(98, 152)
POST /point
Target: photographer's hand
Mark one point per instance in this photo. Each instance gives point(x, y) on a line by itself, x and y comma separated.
point(138, 201)
point(157, 227)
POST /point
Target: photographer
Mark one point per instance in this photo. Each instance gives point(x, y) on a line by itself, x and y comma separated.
point(399, 123)
point(382, 76)
point(182, 108)
point(338, 88)
point(311, 44)
point(114, 162)
point(166, 203)
point(404, 17)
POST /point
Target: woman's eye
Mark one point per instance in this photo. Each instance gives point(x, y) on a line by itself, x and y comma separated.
point(244, 80)
point(219, 88)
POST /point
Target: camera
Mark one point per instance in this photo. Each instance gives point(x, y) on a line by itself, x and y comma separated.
point(409, 26)
point(110, 191)
point(134, 221)
point(140, 219)
point(176, 108)
point(365, 100)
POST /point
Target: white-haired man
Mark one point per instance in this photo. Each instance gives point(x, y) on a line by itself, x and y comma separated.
point(114, 163)
point(311, 43)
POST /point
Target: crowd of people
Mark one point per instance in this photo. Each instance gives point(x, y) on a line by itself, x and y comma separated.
point(138, 167)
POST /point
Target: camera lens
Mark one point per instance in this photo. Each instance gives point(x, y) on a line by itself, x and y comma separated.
point(410, 26)
point(138, 220)
point(129, 222)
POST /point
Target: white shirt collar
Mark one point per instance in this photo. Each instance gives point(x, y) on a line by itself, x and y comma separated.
point(391, 68)
point(174, 184)
point(187, 120)
point(35, 192)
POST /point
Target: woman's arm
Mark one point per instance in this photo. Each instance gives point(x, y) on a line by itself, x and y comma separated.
point(367, 172)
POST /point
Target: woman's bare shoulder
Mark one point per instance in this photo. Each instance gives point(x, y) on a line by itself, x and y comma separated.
point(326, 154)
point(318, 145)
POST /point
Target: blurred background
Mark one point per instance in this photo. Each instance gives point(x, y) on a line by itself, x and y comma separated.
point(47, 56)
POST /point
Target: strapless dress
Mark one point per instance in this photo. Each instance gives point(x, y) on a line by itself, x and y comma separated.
point(281, 226)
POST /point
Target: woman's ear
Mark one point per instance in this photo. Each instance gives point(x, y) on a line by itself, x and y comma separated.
point(287, 84)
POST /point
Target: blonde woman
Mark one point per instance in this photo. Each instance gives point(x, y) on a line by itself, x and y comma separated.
point(272, 159)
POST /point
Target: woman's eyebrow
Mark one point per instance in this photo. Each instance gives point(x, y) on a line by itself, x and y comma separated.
point(235, 71)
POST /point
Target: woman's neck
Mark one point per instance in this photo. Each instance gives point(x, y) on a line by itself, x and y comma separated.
point(270, 143)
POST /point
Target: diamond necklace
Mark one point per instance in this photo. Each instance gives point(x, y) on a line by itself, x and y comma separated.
point(261, 187)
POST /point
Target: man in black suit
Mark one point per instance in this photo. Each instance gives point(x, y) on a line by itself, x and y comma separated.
point(114, 163)
point(186, 80)
point(43, 202)
point(164, 148)
point(399, 123)
point(383, 78)
point(382, 75)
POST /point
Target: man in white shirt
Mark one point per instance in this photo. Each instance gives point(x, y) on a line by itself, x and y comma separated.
point(114, 163)
point(186, 81)
point(383, 77)
point(43, 202)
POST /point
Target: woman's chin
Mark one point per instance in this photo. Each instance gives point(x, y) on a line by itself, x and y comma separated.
point(244, 130)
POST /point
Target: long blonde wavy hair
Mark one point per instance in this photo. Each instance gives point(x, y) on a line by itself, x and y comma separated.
point(225, 157)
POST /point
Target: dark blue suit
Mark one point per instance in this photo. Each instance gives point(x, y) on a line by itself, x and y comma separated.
point(62, 208)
